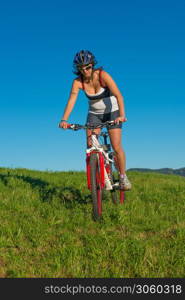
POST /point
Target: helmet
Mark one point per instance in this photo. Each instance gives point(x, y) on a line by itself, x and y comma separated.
point(84, 57)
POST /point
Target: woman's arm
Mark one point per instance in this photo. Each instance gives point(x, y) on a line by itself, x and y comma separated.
point(110, 83)
point(70, 104)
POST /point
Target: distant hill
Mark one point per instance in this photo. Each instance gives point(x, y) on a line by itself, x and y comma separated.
point(180, 171)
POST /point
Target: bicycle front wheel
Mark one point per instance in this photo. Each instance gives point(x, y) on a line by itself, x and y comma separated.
point(96, 190)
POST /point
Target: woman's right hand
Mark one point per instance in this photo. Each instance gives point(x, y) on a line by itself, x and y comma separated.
point(63, 124)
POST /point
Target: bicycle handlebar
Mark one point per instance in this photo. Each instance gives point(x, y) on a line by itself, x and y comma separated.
point(88, 126)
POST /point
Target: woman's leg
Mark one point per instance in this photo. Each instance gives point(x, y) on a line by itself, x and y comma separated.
point(115, 138)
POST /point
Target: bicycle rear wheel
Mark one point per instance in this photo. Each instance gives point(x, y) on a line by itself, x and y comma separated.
point(96, 190)
point(117, 195)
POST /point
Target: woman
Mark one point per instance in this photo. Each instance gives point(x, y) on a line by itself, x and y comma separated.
point(105, 104)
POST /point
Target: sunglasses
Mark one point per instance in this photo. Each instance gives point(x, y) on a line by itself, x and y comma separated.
point(88, 67)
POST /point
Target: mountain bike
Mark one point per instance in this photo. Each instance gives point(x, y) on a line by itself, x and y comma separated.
point(101, 168)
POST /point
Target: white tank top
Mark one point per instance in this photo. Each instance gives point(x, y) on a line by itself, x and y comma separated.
point(102, 102)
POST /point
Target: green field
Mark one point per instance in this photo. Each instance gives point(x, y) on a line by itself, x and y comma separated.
point(47, 228)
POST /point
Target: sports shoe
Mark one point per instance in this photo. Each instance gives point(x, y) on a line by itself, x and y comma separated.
point(124, 183)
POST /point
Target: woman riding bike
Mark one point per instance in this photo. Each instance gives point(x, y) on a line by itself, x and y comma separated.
point(105, 104)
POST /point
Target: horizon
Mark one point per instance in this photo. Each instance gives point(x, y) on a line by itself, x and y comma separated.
point(53, 171)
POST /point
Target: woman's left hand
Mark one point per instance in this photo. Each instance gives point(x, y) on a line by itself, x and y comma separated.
point(120, 120)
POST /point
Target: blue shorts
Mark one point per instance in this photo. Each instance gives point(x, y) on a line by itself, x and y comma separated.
point(98, 119)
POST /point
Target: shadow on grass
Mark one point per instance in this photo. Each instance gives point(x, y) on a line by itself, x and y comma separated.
point(68, 195)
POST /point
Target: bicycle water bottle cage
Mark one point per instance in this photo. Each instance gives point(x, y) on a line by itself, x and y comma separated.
point(106, 147)
point(111, 155)
point(104, 134)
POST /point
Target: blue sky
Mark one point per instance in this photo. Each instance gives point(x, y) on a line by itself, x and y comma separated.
point(140, 43)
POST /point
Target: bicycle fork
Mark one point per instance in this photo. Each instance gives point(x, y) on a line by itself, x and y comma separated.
point(104, 169)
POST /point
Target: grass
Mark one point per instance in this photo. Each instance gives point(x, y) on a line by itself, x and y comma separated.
point(47, 228)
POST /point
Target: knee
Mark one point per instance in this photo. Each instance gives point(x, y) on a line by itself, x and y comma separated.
point(117, 148)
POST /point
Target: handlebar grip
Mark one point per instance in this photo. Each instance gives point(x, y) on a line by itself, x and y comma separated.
point(69, 126)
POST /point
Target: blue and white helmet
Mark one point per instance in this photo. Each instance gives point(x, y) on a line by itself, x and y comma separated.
point(84, 57)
